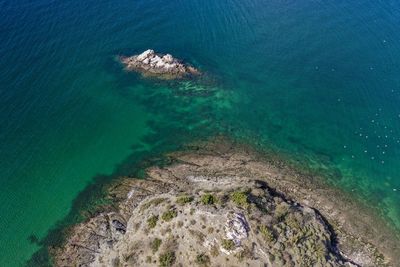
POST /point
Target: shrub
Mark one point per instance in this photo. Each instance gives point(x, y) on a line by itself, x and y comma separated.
point(202, 259)
point(293, 222)
point(155, 245)
point(155, 202)
point(240, 199)
point(266, 233)
point(167, 259)
point(169, 215)
point(208, 199)
point(184, 200)
point(246, 253)
point(281, 210)
point(228, 244)
point(319, 250)
point(214, 251)
point(198, 235)
point(152, 221)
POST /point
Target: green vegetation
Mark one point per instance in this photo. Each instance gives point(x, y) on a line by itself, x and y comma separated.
point(182, 200)
point(167, 259)
point(208, 199)
point(281, 210)
point(240, 199)
point(198, 235)
point(152, 221)
point(169, 215)
point(228, 244)
point(297, 238)
point(319, 250)
point(293, 222)
point(155, 245)
point(155, 202)
point(202, 259)
point(246, 253)
point(266, 233)
point(214, 251)
point(271, 257)
point(148, 259)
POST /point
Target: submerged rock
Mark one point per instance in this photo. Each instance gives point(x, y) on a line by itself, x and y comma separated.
point(150, 63)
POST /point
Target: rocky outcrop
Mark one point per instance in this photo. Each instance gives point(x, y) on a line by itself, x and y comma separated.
point(160, 66)
point(217, 204)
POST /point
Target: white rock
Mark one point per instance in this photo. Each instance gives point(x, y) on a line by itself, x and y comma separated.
point(145, 54)
point(237, 228)
point(155, 59)
point(168, 66)
point(168, 58)
point(160, 64)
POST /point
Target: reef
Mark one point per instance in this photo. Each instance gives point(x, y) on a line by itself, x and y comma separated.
point(216, 204)
point(150, 63)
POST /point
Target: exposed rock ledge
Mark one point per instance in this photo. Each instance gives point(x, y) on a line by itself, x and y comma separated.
point(219, 205)
point(161, 66)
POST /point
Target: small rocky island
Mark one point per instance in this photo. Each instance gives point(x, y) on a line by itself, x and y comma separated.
point(219, 204)
point(149, 63)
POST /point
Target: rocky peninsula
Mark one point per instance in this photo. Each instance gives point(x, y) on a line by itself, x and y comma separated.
point(150, 63)
point(223, 204)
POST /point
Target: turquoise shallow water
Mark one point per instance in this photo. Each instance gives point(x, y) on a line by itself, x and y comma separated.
point(317, 81)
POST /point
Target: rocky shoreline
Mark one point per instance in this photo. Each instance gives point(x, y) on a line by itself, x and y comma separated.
point(218, 204)
point(150, 63)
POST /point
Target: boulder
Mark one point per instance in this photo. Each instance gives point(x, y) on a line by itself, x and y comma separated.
point(149, 63)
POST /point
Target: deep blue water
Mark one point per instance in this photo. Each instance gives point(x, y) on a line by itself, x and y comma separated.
point(315, 80)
